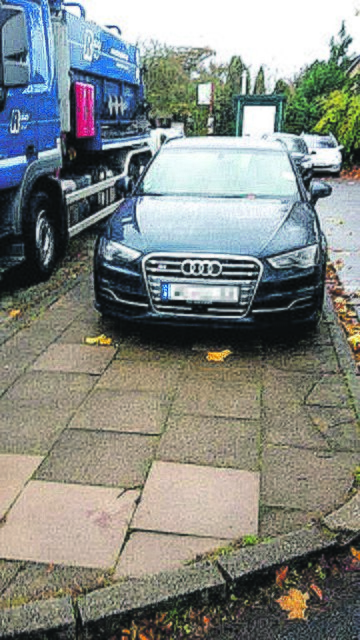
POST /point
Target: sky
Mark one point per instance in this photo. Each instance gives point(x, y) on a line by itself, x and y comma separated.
point(282, 35)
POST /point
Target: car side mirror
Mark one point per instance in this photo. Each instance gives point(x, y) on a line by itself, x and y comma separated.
point(313, 152)
point(319, 190)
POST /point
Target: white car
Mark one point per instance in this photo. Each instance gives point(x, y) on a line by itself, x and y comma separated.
point(325, 152)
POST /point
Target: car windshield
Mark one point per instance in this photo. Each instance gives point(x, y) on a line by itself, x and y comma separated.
point(232, 173)
point(317, 142)
point(296, 144)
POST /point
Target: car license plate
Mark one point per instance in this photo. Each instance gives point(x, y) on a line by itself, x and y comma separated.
point(199, 293)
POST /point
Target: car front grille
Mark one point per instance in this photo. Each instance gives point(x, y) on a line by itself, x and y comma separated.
point(244, 272)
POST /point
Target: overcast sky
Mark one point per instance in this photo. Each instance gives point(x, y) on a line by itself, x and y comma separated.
point(283, 35)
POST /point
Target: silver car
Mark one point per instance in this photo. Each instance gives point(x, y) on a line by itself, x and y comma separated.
point(325, 152)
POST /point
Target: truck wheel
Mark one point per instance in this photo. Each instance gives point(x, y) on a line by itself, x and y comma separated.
point(40, 239)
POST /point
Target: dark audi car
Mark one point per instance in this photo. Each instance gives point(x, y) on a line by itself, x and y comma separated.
point(216, 230)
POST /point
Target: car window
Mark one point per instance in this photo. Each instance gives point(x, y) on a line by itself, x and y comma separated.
point(220, 172)
point(320, 142)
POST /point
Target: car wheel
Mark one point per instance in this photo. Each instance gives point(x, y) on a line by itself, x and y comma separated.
point(40, 238)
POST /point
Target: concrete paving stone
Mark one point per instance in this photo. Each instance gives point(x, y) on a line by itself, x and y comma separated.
point(34, 580)
point(274, 521)
point(302, 479)
point(292, 425)
point(48, 620)
point(99, 458)
point(200, 501)
point(286, 388)
point(218, 442)
point(149, 352)
point(338, 425)
point(102, 611)
point(140, 376)
point(15, 471)
point(209, 398)
point(75, 358)
point(347, 518)
point(82, 327)
point(127, 411)
point(149, 553)
point(8, 571)
point(281, 550)
point(50, 390)
point(322, 360)
point(67, 524)
point(237, 370)
point(330, 391)
point(30, 430)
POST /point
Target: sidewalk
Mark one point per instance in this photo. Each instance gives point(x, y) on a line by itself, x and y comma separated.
point(134, 458)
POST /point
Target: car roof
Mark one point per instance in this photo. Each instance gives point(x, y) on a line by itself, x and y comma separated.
point(279, 135)
point(224, 142)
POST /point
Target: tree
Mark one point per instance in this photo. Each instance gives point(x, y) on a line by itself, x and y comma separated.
point(259, 86)
point(341, 116)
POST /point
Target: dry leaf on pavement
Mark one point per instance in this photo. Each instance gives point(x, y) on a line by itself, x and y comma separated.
point(218, 356)
point(281, 575)
point(14, 313)
point(317, 590)
point(294, 603)
point(99, 340)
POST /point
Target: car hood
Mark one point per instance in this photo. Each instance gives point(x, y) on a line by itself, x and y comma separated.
point(215, 225)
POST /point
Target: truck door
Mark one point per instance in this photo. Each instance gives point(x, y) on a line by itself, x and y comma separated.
point(28, 89)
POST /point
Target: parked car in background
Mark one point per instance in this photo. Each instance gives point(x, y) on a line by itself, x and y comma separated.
point(216, 231)
point(325, 152)
point(299, 152)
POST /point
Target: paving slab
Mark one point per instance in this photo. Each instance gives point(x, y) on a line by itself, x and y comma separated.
point(275, 521)
point(292, 425)
point(151, 553)
point(308, 360)
point(67, 524)
point(330, 391)
point(127, 411)
point(338, 425)
point(30, 429)
point(208, 398)
point(15, 471)
point(99, 458)
point(207, 441)
point(283, 389)
point(308, 480)
point(50, 390)
point(141, 376)
point(34, 580)
point(75, 358)
point(201, 501)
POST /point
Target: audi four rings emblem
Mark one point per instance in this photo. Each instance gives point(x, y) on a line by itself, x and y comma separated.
point(211, 268)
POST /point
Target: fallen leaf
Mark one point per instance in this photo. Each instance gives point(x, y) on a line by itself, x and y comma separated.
point(317, 590)
point(354, 341)
point(281, 575)
point(50, 568)
point(355, 554)
point(218, 356)
point(99, 340)
point(294, 603)
point(14, 313)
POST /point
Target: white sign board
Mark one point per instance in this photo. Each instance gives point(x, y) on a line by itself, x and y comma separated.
point(205, 93)
point(258, 120)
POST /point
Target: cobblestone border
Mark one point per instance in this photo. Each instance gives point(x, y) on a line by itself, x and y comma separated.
point(100, 612)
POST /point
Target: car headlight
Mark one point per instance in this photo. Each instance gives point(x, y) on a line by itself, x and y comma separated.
point(299, 259)
point(116, 252)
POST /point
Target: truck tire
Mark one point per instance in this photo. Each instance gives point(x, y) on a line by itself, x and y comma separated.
point(40, 236)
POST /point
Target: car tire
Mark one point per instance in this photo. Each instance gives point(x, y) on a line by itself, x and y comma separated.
point(40, 236)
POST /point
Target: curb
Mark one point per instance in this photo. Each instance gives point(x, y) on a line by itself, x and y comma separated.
point(100, 612)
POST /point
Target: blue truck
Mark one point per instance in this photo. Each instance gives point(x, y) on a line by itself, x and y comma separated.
point(73, 127)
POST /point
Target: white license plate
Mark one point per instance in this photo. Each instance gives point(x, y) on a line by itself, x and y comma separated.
point(199, 293)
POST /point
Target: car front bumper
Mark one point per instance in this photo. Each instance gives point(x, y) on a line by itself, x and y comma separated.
point(278, 298)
